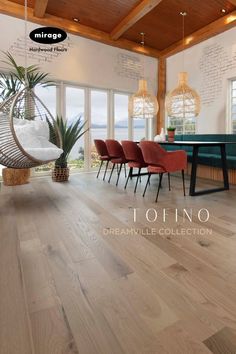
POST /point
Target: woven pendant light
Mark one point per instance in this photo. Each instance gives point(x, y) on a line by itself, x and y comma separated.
point(143, 104)
point(183, 101)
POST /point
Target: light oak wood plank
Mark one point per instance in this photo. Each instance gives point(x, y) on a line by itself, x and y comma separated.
point(211, 300)
point(51, 334)
point(40, 288)
point(91, 331)
point(136, 293)
point(175, 340)
point(222, 342)
point(125, 320)
point(15, 334)
point(152, 310)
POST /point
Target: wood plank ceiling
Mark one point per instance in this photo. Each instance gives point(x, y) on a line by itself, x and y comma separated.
point(163, 25)
point(159, 19)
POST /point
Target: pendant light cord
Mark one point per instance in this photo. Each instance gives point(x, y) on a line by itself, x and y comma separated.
point(143, 44)
point(183, 14)
point(26, 34)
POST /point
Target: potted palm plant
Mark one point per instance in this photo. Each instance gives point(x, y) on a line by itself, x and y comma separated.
point(70, 134)
point(19, 77)
point(171, 134)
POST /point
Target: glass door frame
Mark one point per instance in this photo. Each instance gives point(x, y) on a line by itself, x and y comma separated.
point(130, 121)
point(109, 122)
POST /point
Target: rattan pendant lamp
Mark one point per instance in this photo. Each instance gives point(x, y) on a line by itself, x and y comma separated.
point(143, 104)
point(183, 101)
point(23, 105)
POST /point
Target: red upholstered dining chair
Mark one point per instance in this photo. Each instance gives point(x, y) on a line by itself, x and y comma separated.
point(134, 156)
point(161, 161)
point(103, 155)
point(117, 155)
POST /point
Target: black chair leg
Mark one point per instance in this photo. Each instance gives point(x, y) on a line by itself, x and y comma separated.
point(183, 182)
point(104, 176)
point(111, 173)
point(118, 177)
point(100, 168)
point(131, 176)
point(169, 181)
point(125, 170)
point(159, 180)
point(130, 172)
point(148, 180)
point(159, 186)
point(139, 170)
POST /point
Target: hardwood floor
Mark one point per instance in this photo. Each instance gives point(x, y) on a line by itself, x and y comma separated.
point(79, 275)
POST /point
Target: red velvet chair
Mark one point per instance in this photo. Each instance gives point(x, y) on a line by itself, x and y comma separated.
point(103, 155)
point(134, 156)
point(117, 155)
point(161, 161)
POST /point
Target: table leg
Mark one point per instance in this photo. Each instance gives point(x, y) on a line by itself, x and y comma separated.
point(193, 171)
point(192, 191)
point(224, 167)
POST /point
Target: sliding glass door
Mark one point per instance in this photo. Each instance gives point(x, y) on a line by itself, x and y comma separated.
point(139, 129)
point(48, 95)
point(98, 121)
point(106, 114)
point(74, 109)
point(121, 117)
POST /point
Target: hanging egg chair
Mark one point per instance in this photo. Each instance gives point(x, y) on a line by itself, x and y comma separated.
point(22, 117)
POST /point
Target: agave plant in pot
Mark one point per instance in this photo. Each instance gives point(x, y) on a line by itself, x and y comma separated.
point(171, 134)
point(70, 134)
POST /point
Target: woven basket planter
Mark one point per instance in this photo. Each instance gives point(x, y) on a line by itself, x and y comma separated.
point(60, 174)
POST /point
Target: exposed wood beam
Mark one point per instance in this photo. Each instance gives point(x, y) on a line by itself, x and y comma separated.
point(136, 14)
point(40, 8)
point(214, 28)
point(16, 10)
point(161, 94)
point(233, 2)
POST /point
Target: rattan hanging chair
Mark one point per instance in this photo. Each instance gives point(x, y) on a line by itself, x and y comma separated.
point(23, 105)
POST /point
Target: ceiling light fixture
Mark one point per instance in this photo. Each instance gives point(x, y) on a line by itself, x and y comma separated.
point(223, 11)
point(142, 40)
point(142, 104)
point(76, 19)
point(183, 102)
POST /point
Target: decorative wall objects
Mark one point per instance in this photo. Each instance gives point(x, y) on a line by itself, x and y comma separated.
point(129, 66)
point(214, 65)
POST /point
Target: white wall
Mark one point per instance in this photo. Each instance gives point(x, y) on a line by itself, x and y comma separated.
point(86, 62)
point(210, 65)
